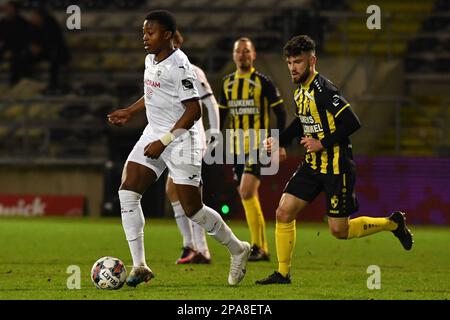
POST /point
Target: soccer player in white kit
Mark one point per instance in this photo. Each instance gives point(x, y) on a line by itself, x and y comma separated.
point(172, 106)
point(195, 247)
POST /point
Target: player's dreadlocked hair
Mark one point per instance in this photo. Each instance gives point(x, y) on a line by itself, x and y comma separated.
point(299, 44)
point(164, 18)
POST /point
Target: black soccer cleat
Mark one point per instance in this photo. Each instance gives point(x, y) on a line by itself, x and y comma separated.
point(186, 256)
point(200, 258)
point(402, 232)
point(275, 278)
point(258, 254)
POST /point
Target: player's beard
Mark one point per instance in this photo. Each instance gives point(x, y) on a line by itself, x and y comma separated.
point(246, 67)
point(305, 75)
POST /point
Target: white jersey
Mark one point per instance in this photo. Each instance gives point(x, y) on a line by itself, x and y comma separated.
point(167, 84)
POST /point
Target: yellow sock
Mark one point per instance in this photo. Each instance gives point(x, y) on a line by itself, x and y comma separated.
point(254, 215)
point(285, 236)
point(364, 226)
point(262, 231)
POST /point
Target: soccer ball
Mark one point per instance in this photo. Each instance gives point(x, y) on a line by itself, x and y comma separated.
point(108, 273)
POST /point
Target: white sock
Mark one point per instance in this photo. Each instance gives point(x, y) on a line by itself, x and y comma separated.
point(184, 225)
point(200, 239)
point(133, 222)
point(212, 222)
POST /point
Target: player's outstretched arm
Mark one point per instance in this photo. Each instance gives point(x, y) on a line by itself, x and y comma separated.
point(121, 116)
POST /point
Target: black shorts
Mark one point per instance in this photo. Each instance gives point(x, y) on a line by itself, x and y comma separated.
point(306, 184)
point(248, 167)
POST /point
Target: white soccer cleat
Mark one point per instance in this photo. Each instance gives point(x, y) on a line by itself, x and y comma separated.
point(238, 265)
point(138, 275)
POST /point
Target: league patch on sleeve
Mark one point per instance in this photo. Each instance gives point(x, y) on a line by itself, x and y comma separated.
point(187, 84)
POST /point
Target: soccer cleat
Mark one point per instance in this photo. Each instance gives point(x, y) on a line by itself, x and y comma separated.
point(258, 254)
point(275, 278)
point(199, 258)
point(186, 256)
point(238, 265)
point(402, 232)
point(138, 275)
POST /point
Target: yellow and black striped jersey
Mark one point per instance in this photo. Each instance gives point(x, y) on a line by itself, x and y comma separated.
point(318, 105)
point(248, 98)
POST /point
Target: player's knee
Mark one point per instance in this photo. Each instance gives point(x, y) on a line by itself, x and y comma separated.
point(130, 186)
point(171, 192)
point(284, 215)
point(191, 209)
point(246, 193)
point(129, 196)
point(339, 233)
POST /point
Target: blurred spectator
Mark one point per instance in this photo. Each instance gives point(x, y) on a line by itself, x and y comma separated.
point(14, 42)
point(48, 44)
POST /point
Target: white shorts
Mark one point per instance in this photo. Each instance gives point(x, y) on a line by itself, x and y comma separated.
point(183, 158)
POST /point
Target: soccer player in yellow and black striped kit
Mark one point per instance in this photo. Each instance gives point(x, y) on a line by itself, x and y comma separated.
point(249, 97)
point(324, 122)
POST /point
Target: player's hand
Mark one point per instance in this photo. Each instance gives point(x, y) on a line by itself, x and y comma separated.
point(119, 117)
point(154, 149)
point(311, 144)
point(271, 144)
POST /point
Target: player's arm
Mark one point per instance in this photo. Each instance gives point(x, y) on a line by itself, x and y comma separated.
point(121, 116)
point(208, 99)
point(276, 102)
point(346, 124)
point(280, 113)
point(192, 113)
point(223, 107)
point(223, 116)
point(214, 118)
point(294, 130)
point(346, 121)
point(213, 111)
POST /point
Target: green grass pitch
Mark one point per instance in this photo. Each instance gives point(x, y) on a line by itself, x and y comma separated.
point(35, 254)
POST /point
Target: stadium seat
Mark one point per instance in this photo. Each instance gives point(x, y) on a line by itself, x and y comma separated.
point(100, 112)
point(92, 89)
point(423, 44)
point(127, 4)
point(442, 65)
point(14, 111)
point(73, 111)
point(437, 24)
point(442, 5)
point(127, 90)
